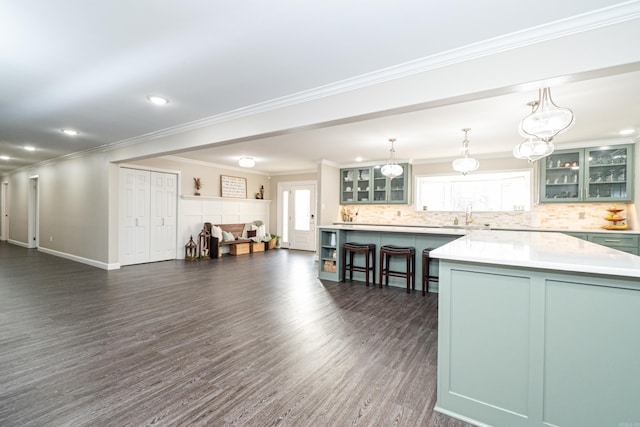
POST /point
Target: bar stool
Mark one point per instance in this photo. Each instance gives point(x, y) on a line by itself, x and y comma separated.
point(409, 252)
point(426, 276)
point(369, 251)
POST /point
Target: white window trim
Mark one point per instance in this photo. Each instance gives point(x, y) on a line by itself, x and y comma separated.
point(532, 178)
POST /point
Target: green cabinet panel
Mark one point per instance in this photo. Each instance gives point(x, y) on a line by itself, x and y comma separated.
point(367, 185)
point(629, 243)
point(597, 174)
point(623, 242)
point(328, 255)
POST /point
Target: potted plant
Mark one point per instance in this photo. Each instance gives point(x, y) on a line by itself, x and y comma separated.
point(274, 242)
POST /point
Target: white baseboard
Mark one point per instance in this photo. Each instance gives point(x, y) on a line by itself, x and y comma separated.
point(91, 262)
point(17, 243)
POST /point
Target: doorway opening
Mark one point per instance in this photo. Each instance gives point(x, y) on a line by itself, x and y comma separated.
point(34, 214)
point(4, 211)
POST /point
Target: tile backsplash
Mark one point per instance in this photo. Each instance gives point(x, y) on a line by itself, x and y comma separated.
point(578, 216)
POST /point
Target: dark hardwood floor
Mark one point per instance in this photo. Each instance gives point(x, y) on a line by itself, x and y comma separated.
point(253, 340)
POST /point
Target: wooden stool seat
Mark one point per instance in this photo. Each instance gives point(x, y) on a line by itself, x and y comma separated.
point(409, 252)
point(426, 276)
point(369, 251)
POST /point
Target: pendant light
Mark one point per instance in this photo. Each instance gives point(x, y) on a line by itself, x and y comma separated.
point(392, 169)
point(533, 148)
point(465, 164)
point(547, 119)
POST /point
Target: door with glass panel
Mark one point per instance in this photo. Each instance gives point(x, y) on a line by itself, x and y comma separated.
point(297, 216)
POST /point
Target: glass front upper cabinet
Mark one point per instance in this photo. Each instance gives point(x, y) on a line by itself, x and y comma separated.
point(609, 175)
point(598, 174)
point(368, 185)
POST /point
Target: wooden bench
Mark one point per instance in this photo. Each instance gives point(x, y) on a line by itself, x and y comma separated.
point(239, 246)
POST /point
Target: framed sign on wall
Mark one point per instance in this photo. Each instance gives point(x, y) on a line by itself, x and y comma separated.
point(233, 186)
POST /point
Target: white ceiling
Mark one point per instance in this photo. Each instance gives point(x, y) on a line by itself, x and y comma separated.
point(90, 65)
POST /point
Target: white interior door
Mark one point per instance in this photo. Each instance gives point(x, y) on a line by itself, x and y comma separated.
point(34, 214)
point(298, 216)
point(163, 216)
point(4, 212)
point(134, 216)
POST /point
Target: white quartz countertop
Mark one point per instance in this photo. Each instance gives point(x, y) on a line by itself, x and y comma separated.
point(398, 229)
point(540, 250)
point(513, 228)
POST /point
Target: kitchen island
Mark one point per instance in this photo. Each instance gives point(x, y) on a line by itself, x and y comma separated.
point(538, 329)
point(331, 239)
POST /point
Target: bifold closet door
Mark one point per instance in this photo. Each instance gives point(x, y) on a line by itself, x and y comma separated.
point(134, 216)
point(163, 216)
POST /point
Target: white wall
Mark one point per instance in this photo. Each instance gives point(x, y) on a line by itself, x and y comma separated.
point(196, 210)
point(329, 187)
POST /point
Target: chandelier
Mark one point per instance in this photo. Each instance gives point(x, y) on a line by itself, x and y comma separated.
point(547, 119)
point(465, 164)
point(533, 148)
point(392, 169)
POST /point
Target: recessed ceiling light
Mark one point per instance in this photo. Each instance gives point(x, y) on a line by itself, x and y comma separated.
point(625, 132)
point(29, 148)
point(158, 100)
point(3, 157)
point(358, 159)
point(70, 132)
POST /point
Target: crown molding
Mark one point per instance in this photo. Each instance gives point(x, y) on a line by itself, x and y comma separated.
point(611, 15)
point(604, 17)
point(213, 165)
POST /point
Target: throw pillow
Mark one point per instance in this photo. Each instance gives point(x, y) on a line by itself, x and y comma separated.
point(227, 237)
point(216, 232)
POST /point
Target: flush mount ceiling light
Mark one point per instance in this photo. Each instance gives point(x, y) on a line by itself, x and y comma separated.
point(246, 162)
point(29, 148)
point(547, 119)
point(392, 169)
point(465, 164)
point(70, 132)
point(158, 100)
point(3, 157)
point(625, 132)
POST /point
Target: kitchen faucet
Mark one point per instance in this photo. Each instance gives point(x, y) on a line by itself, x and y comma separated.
point(468, 215)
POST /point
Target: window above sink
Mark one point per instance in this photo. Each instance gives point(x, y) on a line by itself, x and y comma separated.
point(488, 192)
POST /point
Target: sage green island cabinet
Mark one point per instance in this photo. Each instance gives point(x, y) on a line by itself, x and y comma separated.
point(367, 185)
point(537, 329)
point(332, 238)
point(597, 174)
point(328, 254)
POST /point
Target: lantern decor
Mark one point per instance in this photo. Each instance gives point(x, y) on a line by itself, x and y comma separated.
point(190, 250)
point(203, 243)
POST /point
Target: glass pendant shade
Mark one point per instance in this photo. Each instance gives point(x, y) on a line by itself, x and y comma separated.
point(392, 169)
point(465, 164)
point(533, 149)
point(547, 119)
